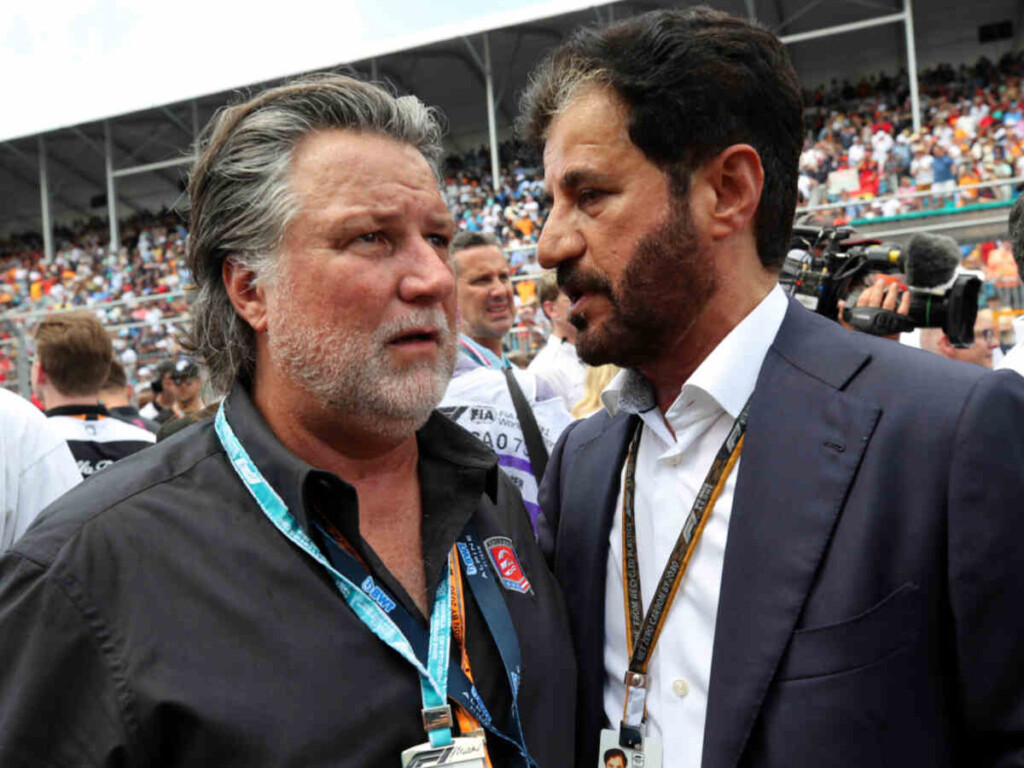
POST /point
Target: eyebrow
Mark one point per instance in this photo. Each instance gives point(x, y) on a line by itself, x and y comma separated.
point(392, 213)
point(578, 177)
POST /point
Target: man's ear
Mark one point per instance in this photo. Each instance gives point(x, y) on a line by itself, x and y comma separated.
point(946, 348)
point(248, 299)
point(732, 182)
point(550, 310)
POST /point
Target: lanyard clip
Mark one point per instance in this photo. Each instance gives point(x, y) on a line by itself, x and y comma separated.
point(631, 731)
point(631, 738)
point(435, 718)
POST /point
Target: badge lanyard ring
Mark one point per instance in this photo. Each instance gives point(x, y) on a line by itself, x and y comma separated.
point(644, 629)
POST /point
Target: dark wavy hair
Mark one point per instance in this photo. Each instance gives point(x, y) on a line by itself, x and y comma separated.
point(695, 81)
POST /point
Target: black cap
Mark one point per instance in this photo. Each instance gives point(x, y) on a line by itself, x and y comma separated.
point(185, 369)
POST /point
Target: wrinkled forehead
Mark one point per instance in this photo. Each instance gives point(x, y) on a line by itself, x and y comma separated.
point(591, 130)
point(480, 260)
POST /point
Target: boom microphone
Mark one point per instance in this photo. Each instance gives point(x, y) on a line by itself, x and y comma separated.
point(931, 260)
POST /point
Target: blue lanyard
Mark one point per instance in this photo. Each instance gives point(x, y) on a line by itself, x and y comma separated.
point(389, 621)
point(480, 355)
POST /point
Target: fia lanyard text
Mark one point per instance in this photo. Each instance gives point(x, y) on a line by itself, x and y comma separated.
point(429, 653)
point(643, 629)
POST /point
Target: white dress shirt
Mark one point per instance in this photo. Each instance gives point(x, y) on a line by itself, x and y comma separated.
point(669, 473)
point(559, 365)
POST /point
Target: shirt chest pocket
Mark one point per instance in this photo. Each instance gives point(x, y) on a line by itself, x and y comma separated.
point(882, 630)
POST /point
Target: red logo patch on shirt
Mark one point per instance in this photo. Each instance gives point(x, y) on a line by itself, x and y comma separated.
point(506, 564)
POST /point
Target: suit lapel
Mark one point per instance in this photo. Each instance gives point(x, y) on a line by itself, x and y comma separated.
point(804, 442)
point(581, 560)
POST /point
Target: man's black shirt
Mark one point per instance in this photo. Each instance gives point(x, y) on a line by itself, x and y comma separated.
point(158, 618)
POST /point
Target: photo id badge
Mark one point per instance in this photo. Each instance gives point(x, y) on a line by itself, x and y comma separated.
point(464, 751)
point(611, 755)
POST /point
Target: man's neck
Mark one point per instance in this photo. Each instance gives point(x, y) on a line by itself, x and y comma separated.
point(383, 470)
point(113, 399)
point(490, 344)
point(191, 406)
point(54, 399)
point(723, 312)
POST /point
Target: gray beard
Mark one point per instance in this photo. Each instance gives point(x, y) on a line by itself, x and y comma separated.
point(350, 372)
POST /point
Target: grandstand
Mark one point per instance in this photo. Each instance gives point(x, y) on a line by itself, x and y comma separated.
point(92, 213)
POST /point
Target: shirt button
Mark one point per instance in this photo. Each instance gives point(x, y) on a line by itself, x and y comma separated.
point(680, 687)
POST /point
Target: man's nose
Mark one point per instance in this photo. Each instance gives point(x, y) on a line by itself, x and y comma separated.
point(429, 277)
point(558, 241)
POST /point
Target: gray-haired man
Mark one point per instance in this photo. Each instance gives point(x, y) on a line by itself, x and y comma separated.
point(327, 570)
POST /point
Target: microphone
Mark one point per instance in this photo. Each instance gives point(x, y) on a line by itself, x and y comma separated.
point(931, 260)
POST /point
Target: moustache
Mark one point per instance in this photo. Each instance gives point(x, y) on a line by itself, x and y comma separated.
point(417, 318)
point(575, 281)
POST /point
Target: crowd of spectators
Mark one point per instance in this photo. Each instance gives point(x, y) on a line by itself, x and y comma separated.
point(863, 156)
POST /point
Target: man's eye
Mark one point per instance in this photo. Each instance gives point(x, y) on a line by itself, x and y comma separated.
point(440, 241)
point(587, 196)
point(369, 237)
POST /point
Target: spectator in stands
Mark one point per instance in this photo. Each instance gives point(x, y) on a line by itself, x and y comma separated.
point(116, 396)
point(36, 466)
point(979, 353)
point(557, 363)
point(73, 357)
point(486, 304)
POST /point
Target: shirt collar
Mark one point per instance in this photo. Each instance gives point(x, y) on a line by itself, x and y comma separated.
point(297, 482)
point(87, 412)
point(1018, 327)
point(728, 374)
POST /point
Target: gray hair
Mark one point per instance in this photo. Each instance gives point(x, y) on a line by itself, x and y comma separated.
point(241, 202)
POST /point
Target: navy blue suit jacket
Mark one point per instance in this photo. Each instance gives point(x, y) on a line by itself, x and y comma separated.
point(872, 600)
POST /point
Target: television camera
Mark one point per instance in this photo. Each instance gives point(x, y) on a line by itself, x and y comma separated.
point(827, 264)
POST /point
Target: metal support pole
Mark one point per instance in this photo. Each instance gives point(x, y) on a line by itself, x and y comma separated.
point(115, 235)
point(195, 128)
point(374, 70)
point(751, 10)
point(44, 201)
point(23, 364)
point(915, 96)
point(491, 127)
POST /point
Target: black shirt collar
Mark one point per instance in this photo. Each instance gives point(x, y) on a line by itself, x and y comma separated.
point(455, 469)
point(90, 412)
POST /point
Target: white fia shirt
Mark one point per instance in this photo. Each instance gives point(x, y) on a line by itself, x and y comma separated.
point(669, 473)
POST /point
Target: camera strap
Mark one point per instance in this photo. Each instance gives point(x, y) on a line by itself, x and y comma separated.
point(644, 629)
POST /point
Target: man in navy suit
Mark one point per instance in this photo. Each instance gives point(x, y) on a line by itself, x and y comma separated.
point(827, 524)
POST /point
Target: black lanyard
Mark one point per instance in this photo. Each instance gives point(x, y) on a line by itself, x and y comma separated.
point(477, 573)
point(643, 629)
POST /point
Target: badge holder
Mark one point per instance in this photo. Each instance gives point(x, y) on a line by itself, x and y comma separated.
point(629, 747)
point(443, 749)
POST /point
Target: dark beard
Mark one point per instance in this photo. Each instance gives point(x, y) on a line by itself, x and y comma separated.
point(662, 291)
